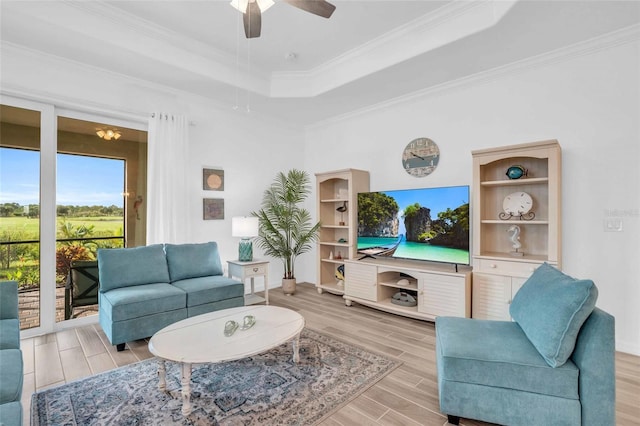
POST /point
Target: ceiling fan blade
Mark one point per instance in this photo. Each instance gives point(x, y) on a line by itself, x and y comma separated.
point(252, 20)
point(317, 7)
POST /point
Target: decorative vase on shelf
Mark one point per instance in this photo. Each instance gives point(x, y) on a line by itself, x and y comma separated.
point(516, 172)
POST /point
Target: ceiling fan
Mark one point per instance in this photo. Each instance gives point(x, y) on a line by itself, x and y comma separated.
point(252, 10)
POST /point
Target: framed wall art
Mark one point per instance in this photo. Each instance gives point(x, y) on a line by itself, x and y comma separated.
point(213, 208)
point(212, 179)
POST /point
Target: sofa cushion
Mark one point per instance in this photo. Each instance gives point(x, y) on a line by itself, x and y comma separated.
point(138, 301)
point(498, 354)
point(10, 334)
point(10, 375)
point(210, 289)
point(11, 413)
point(551, 308)
point(193, 260)
point(127, 267)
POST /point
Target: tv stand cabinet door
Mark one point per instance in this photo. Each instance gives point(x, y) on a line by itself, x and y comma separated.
point(361, 281)
point(491, 296)
point(444, 295)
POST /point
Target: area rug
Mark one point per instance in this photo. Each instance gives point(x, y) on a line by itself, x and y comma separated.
point(263, 389)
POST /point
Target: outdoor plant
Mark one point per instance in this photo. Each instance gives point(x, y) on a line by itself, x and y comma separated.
point(26, 275)
point(65, 254)
point(71, 231)
point(285, 227)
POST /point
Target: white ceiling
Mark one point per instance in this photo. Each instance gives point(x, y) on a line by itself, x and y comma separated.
point(368, 52)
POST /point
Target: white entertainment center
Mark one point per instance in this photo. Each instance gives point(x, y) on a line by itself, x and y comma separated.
point(509, 242)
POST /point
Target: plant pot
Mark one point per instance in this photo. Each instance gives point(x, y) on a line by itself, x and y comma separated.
point(288, 286)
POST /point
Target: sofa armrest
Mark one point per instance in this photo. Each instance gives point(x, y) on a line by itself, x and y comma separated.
point(594, 355)
point(8, 300)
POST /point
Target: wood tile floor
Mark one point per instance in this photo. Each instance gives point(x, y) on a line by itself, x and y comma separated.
point(408, 396)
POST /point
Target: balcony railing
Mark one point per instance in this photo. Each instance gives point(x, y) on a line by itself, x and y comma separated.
point(26, 270)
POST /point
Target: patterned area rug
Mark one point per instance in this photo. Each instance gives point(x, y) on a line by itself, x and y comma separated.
point(263, 389)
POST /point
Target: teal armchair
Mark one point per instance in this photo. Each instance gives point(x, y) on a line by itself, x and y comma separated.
point(554, 364)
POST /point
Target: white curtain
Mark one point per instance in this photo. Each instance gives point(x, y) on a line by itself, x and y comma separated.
point(167, 192)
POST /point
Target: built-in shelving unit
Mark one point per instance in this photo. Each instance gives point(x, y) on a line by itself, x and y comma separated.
point(337, 197)
point(498, 271)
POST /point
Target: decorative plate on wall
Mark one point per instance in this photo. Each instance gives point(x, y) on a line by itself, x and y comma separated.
point(420, 157)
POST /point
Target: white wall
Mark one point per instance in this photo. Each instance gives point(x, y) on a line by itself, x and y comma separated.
point(249, 148)
point(251, 152)
point(589, 103)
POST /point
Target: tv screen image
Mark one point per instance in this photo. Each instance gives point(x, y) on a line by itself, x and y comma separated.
point(430, 224)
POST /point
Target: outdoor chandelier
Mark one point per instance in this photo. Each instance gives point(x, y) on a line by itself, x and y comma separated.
point(108, 134)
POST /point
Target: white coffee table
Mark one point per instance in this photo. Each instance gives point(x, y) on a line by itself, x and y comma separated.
point(201, 340)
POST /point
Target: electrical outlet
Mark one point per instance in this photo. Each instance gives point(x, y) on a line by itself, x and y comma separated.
point(613, 224)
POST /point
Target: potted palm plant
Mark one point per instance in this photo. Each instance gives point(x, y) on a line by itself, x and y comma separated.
point(285, 227)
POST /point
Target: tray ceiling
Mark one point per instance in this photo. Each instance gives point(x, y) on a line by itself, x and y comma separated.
point(304, 68)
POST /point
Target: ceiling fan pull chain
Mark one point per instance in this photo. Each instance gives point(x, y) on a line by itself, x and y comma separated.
point(248, 75)
point(236, 106)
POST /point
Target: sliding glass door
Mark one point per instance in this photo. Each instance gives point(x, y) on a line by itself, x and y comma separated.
point(65, 191)
point(100, 193)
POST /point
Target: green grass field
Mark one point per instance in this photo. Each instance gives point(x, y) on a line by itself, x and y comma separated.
point(20, 262)
point(103, 225)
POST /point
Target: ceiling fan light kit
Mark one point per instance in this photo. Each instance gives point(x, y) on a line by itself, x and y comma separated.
point(253, 9)
point(241, 5)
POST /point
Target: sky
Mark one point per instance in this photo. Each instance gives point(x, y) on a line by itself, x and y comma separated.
point(81, 180)
point(436, 199)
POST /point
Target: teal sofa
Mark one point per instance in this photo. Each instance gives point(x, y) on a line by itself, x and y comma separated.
point(11, 367)
point(144, 289)
point(553, 365)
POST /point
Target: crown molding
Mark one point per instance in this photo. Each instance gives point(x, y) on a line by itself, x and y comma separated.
point(99, 9)
point(457, 19)
point(445, 25)
point(126, 32)
point(607, 41)
point(8, 49)
point(60, 100)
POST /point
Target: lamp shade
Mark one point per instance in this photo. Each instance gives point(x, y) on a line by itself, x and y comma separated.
point(244, 227)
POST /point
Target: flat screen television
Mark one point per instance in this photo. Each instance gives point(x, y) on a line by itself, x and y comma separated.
point(429, 224)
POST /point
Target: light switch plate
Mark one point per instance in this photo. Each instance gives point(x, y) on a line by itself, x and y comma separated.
point(613, 224)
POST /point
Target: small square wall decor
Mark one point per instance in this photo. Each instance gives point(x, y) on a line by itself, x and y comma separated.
point(213, 180)
point(213, 208)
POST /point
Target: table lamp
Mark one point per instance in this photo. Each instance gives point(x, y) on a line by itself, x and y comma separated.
point(245, 228)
